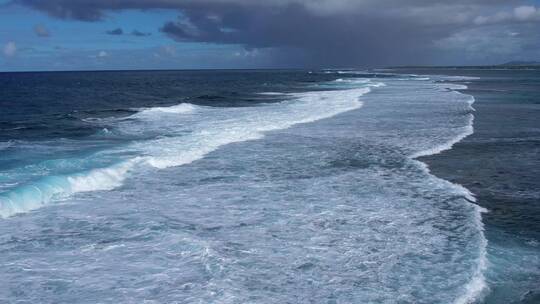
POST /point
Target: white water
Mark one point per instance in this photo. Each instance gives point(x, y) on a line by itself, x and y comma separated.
point(477, 288)
point(336, 209)
point(209, 128)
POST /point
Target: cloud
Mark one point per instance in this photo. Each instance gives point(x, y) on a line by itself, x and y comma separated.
point(139, 34)
point(518, 14)
point(102, 54)
point(10, 49)
point(115, 32)
point(94, 10)
point(524, 13)
point(120, 32)
point(321, 32)
point(492, 44)
point(41, 31)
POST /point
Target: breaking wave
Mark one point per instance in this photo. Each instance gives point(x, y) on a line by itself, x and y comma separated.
point(214, 128)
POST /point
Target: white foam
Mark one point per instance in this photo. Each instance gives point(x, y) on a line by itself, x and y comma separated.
point(465, 131)
point(412, 77)
point(452, 86)
point(246, 124)
point(176, 109)
point(271, 93)
point(360, 82)
point(477, 287)
point(101, 179)
point(459, 78)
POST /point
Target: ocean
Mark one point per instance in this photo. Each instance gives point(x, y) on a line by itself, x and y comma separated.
point(269, 186)
point(500, 164)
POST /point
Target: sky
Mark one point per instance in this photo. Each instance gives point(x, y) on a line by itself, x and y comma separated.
point(43, 35)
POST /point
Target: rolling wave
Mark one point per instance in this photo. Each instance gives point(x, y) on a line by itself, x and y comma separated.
point(213, 129)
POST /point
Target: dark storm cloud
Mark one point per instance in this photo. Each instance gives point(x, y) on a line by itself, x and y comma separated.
point(326, 32)
point(115, 32)
point(120, 32)
point(92, 10)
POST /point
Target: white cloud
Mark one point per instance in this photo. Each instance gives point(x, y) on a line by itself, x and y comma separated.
point(497, 18)
point(10, 49)
point(520, 14)
point(494, 42)
point(525, 13)
point(102, 54)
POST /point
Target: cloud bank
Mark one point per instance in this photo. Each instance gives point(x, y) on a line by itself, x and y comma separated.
point(336, 32)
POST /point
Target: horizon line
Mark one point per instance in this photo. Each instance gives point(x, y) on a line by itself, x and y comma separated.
point(274, 69)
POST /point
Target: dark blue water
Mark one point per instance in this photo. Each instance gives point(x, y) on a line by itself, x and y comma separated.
point(54, 105)
point(235, 187)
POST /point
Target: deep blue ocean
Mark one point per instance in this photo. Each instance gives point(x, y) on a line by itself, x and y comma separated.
point(260, 187)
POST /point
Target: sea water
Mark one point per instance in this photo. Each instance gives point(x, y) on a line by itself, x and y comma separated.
point(235, 187)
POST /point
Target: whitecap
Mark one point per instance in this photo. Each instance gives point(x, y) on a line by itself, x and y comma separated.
point(220, 127)
point(182, 108)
